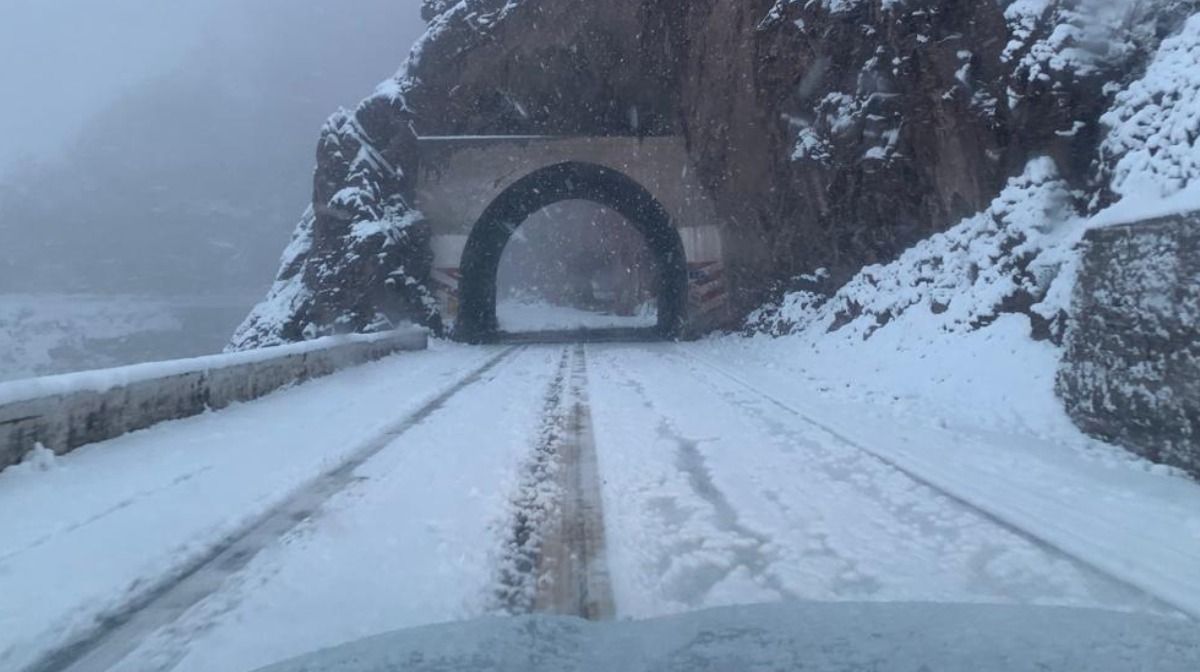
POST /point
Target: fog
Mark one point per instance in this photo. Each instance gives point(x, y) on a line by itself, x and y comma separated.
point(167, 148)
point(63, 60)
point(573, 265)
point(579, 254)
point(155, 158)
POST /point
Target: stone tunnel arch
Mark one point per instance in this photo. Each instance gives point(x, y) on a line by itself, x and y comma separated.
point(568, 181)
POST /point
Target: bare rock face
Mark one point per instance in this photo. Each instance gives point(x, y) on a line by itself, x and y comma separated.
point(538, 67)
point(832, 134)
point(841, 137)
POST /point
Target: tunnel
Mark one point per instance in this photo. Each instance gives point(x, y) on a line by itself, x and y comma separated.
point(477, 321)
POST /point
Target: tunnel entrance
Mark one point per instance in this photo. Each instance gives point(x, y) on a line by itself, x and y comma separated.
point(576, 265)
point(477, 316)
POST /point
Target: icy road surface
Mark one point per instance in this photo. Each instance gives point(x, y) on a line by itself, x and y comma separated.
point(610, 481)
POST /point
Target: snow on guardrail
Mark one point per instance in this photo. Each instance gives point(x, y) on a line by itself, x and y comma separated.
point(67, 411)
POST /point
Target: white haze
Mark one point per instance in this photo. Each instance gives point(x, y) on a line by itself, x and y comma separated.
point(61, 61)
point(167, 147)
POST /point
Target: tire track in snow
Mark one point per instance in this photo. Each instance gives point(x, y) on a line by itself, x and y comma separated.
point(751, 551)
point(970, 504)
point(556, 560)
point(162, 602)
point(533, 505)
point(692, 463)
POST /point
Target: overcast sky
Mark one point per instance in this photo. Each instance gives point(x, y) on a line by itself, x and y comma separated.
point(61, 61)
point(173, 141)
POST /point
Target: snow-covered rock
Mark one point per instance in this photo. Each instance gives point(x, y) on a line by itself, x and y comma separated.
point(1003, 260)
point(1152, 147)
point(1126, 310)
point(360, 255)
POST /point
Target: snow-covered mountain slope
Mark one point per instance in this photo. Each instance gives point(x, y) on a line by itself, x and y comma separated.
point(971, 320)
point(45, 334)
point(951, 325)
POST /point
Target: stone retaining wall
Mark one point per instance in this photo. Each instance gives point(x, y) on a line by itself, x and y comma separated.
point(1131, 372)
point(65, 412)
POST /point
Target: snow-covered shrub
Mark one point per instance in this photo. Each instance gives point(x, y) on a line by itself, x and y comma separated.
point(1076, 38)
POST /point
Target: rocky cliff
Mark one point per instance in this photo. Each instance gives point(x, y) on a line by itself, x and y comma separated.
point(832, 134)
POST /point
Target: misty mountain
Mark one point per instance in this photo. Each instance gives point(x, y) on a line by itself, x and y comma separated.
point(189, 183)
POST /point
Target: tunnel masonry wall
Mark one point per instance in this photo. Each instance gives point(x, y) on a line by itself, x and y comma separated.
point(63, 413)
point(1131, 371)
point(460, 176)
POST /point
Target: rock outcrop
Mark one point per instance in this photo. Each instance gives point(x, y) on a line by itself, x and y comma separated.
point(360, 257)
point(832, 134)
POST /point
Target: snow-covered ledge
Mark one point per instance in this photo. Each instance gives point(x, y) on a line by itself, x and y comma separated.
point(65, 412)
point(1131, 371)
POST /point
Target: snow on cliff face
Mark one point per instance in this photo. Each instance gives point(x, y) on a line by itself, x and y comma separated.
point(1151, 154)
point(946, 331)
point(1079, 38)
point(1016, 256)
point(861, 162)
point(359, 255)
point(1086, 38)
point(265, 324)
point(980, 310)
point(1003, 260)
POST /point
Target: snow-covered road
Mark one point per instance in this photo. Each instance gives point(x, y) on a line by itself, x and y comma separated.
point(444, 485)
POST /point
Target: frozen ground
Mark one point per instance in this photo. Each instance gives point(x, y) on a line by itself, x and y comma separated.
point(395, 495)
point(48, 334)
point(523, 316)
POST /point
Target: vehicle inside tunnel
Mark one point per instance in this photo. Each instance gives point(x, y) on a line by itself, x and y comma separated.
point(573, 248)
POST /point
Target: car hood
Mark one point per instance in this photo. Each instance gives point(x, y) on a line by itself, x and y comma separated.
point(815, 637)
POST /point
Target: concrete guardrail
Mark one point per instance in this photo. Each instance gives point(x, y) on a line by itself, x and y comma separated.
point(65, 412)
